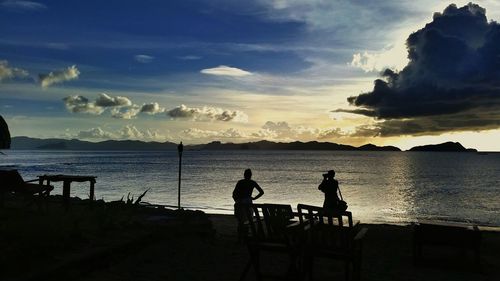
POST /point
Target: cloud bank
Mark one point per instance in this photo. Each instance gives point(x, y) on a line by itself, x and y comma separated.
point(126, 132)
point(283, 131)
point(207, 113)
point(199, 134)
point(56, 77)
point(451, 83)
point(80, 104)
point(123, 108)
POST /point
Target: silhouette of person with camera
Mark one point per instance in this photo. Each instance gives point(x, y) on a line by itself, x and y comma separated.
point(330, 187)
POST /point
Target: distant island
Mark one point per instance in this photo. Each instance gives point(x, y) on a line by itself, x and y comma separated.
point(27, 143)
point(443, 147)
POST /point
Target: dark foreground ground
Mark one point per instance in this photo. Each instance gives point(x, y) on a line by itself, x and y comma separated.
point(122, 243)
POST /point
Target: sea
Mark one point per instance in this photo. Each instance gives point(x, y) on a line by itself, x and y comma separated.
point(379, 187)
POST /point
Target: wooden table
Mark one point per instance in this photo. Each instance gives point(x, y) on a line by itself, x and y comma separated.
point(464, 236)
point(67, 180)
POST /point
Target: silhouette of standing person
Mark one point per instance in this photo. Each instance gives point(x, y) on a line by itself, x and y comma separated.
point(242, 196)
point(329, 186)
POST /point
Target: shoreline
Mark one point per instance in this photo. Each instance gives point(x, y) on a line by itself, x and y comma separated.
point(482, 227)
point(487, 228)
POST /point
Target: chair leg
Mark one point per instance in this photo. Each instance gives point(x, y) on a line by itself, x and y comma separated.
point(255, 259)
point(245, 270)
point(356, 270)
point(309, 267)
point(294, 272)
point(347, 270)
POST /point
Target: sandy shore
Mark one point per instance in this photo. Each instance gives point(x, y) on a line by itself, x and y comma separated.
point(387, 255)
point(105, 241)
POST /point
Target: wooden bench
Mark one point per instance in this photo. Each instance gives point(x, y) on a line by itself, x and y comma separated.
point(11, 182)
point(455, 235)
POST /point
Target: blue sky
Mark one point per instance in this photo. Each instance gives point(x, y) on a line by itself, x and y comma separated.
point(207, 70)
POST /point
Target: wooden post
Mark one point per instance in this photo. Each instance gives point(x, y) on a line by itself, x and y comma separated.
point(92, 197)
point(180, 148)
point(66, 193)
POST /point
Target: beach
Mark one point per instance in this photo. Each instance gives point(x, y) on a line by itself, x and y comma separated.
point(387, 255)
point(119, 241)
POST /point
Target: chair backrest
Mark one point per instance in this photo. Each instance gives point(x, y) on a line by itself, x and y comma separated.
point(329, 229)
point(268, 222)
point(10, 179)
point(277, 218)
point(311, 214)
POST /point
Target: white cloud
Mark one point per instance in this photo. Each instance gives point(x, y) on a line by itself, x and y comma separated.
point(126, 132)
point(7, 72)
point(23, 5)
point(121, 107)
point(125, 112)
point(333, 133)
point(55, 77)
point(80, 104)
point(198, 134)
point(282, 131)
point(207, 113)
point(105, 100)
point(394, 57)
point(144, 58)
point(131, 132)
point(152, 108)
point(95, 133)
point(223, 70)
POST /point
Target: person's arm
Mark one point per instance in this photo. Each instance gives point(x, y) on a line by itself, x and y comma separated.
point(322, 185)
point(337, 189)
point(235, 194)
point(261, 192)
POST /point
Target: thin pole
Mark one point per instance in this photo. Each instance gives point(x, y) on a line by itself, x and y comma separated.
point(179, 149)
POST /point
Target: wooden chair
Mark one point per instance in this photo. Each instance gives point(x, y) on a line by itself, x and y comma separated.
point(11, 182)
point(271, 229)
point(332, 235)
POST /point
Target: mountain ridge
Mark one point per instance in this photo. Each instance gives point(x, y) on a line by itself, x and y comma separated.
point(28, 143)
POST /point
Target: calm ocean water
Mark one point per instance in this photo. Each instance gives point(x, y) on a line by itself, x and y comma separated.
point(380, 187)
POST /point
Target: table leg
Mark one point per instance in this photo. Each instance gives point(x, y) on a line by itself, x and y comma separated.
point(66, 193)
point(92, 197)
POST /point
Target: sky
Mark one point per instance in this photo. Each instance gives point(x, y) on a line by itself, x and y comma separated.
point(400, 73)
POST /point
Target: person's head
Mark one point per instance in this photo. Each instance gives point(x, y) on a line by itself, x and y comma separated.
point(329, 175)
point(248, 174)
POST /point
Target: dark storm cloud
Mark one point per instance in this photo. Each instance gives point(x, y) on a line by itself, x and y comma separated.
point(451, 83)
